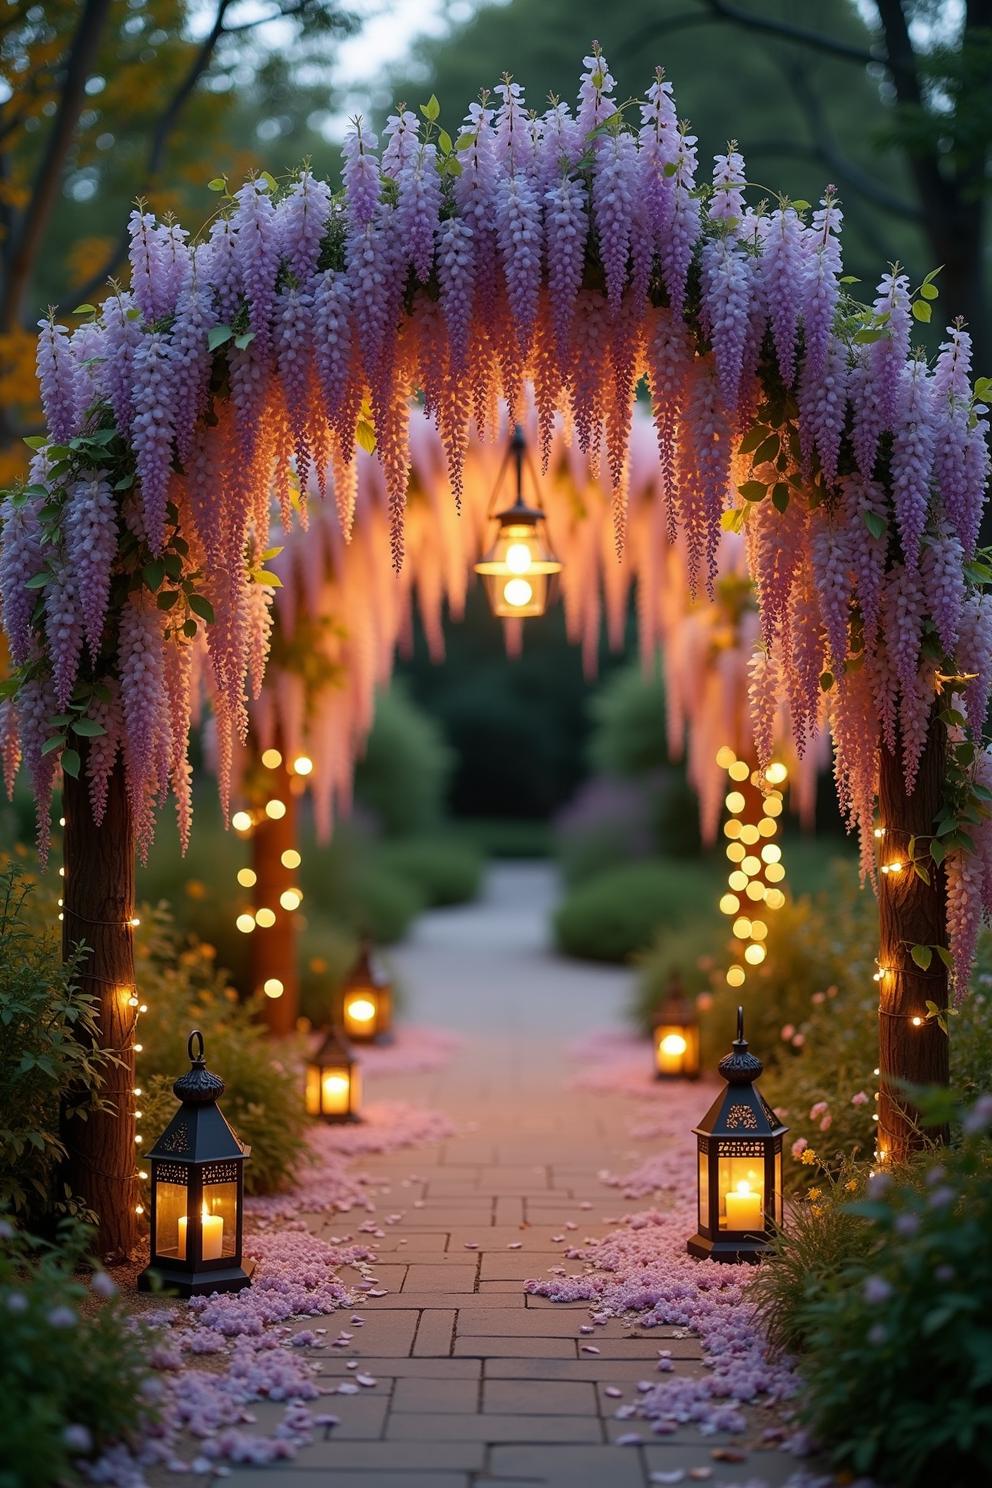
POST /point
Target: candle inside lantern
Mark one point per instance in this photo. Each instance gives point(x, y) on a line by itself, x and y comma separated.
point(359, 1013)
point(671, 1052)
point(335, 1090)
point(744, 1210)
point(212, 1231)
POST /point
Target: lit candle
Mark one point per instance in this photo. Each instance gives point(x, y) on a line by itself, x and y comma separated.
point(671, 1050)
point(359, 1011)
point(212, 1231)
point(335, 1087)
point(744, 1208)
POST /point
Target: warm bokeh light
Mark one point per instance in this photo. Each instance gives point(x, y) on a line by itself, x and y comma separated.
point(264, 917)
point(736, 851)
point(673, 1044)
point(290, 899)
point(736, 976)
point(749, 834)
point(275, 810)
point(750, 865)
point(755, 890)
point(773, 805)
point(771, 852)
point(241, 821)
point(758, 929)
point(738, 770)
point(774, 873)
point(302, 764)
point(774, 898)
point(738, 880)
point(732, 828)
point(766, 827)
point(735, 802)
point(247, 877)
point(271, 759)
point(273, 988)
point(518, 558)
point(361, 1009)
point(776, 773)
point(518, 593)
point(729, 904)
point(742, 928)
point(755, 954)
point(245, 923)
point(725, 757)
point(290, 858)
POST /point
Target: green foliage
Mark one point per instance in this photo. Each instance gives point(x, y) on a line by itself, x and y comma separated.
point(46, 1024)
point(890, 1297)
point(69, 1360)
point(447, 870)
point(183, 989)
point(403, 776)
point(618, 912)
point(689, 953)
point(628, 720)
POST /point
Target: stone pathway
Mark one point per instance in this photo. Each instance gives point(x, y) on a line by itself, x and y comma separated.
point(476, 1383)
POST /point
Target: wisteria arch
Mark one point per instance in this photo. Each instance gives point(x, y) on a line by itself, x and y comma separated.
point(577, 253)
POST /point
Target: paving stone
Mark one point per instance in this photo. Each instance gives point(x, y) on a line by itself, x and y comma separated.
point(509, 1210)
point(496, 1348)
point(569, 1467)
point(539, 1397)
point(519, 1322)
point(388, 1275)
point(418, 1426)
point(441, 1367)
point(434, 1335)
point(300, 1477)
point(437, 1396)
point(360, 1417)
point(389, 1332)
point(500, 1286)
point(451, 1276)
point(515, 1265)
point(610, 1372)
point(400, 1456)
point(771, 1468)
point(504, 1301)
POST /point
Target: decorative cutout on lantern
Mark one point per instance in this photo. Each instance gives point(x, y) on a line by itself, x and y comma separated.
point(333, 1081)
point(676, 1036)
point(197, 1203)
point(739, 1144)
point(519, 567)
point(367, 999)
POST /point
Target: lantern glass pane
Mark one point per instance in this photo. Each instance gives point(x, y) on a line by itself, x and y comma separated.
point(742, 1193)
point(313, 1090)
point(361, 1012)
point(778, 1187)
point(676, 1049)
point(338, 1089)
point(219, 1219)
point(704, 1192)
point(170, 1219)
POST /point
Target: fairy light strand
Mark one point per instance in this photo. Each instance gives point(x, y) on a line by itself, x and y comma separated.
point(756, 870)
point(263, 916)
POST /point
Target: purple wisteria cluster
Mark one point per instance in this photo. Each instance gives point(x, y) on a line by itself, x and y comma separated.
point(574, 252)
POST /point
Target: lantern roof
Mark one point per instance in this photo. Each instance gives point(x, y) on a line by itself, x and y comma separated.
point(675, 1006)
point(335, 1049)
point(199, 1131)
point(367, 970)
point(740, 1110)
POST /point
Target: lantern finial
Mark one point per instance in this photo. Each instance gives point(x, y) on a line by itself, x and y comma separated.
point(740, 1067)
point(740, 1026)
point(198, 1087)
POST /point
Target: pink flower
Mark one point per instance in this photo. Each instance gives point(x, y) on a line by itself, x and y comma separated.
point(799, 1146)
point(826, 1123)
point(788, 1030)
point(818, 1109)
point(798, 1039)
point(859, 1098)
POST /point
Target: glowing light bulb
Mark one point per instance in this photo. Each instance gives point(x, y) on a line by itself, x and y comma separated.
point(916, 1021)
point(247, 877)
point(265, 918)
point(774, 873)
point(290, 858)
point(749, 834)
point(879, 832)
point(302, 764)
point(755, 954)
point(729, 904)
point(673, 1044)
point(291, 899)
point(737, 880)
point(134, 922)
point(132, 1002)
point(758, 929)
point(738, 770)
point(137, 1090)
point(61, 821)
point(241, 821)
point(273, 988)
point(142, 1174)
point(742, 928)
point(736, 851)
point(518, 558)
point(766, 827)
point(776, 773)
point(751, 865)
point(518, 593)
point(773, 805)
point(771, 852)
point(61, 873)
point(755, 890)
point(245, 923)
point(138, 1139)
point(736, 976)
point(275, 810)
point(361, 1010)
point(774, 898)
point(725, 757)
point(139, 1208)
point(139, 1048)
point(735, 802)
point(732, 828)
point(143, 1008)
point(894, 867)
point(271, 759)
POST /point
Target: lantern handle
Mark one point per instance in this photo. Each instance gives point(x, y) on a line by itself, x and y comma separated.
point(198, 1058)
point(740, 1025)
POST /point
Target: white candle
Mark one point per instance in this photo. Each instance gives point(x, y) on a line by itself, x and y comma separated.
point(212, 1229)
point(336, 1088)
point(671, 1052)
point(744, 1208)
point(359, 1013)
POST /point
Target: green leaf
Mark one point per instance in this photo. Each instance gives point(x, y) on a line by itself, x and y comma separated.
point(167, 599)
point(780, 496)
point(189, 629)
point(800, 205)
point(753, 491)
point(767, 450)
point(431, 109)
point(922, 955)
point(450, 166)
point(271, 553)
point(733, 520)
point(826, 681)
point(945, 956)
point(937, 850)
point(200, 605)
point(944, 828)
point(88, 728)
point(933, 274)
point(921, 872)
point(219, 183)
point(753, 438)
point(850, 279)
point(244, 340)
point(922, 311)
point(464, 140)
point(365, 435)
point(39, 580)
point(217, 335)
point(444, 141)
point(153, 574)
point(876, 524)
point(71, 763)
point(265, 576)
point(55, 742)
point(84, 310)
point(929, 291)
point(35, 441)
point(125, 483)
point(869, 334)
point(269, 180)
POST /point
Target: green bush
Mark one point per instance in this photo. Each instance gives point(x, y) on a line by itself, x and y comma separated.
point(628, 733)
point(889, 1297)
point(445, 870)
point(183, 989)
point(689, 953)
point(618, 912)
point(73, 1370)
point(45, 1025)
point(403, 776)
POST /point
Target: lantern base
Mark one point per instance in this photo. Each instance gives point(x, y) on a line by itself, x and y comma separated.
point(749, 1249)
point(351, 1119)
point(166, 1279)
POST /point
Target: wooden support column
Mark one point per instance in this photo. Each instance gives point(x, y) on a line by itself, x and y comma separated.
point(911, 912)
point(98, 906)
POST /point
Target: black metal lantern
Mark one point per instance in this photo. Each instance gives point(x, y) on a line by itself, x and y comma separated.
point(197, 1191)
point(676, 1036)
point(333, 1081)
point(519, 567)
point(367, 999)
point(740, 1164)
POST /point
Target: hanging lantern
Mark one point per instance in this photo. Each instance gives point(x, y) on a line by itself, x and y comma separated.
point(197, 1191)
point(676, 1036)
point(333, 1088)
point(519, 567)
point(740, 1164)
point(367, 999)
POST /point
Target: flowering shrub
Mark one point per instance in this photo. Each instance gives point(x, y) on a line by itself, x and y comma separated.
point(889, 1296)
point(45, 1056)
point(613, 914)
point(74, 1376)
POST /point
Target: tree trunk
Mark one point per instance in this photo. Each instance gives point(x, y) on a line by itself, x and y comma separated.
point(98, 899)
point(911, 912)
point(273, 950)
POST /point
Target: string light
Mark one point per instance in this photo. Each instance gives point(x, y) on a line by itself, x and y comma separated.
point(776, 773)
point(247, 877)
point(241, 821)
point(273, 988)
point(756, 861)
point(735, 802)
point(290, 899)
point(291, 858)
point(271, 759)
point(245, 923)
point(275, 809)
point(302, 765)
point(265, 917)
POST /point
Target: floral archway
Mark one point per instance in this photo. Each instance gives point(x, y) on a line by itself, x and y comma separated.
point(577, 252)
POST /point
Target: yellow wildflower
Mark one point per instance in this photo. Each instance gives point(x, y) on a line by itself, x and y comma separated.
point(814, 1193)
point(851, 1185)
point(808, 1157)
point(817, 1210)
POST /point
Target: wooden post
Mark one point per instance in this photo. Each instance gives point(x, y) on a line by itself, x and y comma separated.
point(98, 897)
point(911, 912)
point(273, 950)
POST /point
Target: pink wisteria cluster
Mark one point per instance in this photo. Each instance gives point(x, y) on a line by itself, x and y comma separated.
point(577, 250)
